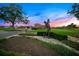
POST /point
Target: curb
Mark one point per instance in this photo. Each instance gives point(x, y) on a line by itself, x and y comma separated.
point(11, 36)
point(62, 44)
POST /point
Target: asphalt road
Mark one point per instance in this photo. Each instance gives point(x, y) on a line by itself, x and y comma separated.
point(4, 34)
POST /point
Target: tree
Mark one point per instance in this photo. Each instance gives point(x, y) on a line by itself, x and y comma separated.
point(47, 25)
point(12, 13)
point(72, 25)
point(75, 10)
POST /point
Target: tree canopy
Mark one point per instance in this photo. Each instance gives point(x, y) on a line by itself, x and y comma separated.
point(12, 13)
point(75, 10)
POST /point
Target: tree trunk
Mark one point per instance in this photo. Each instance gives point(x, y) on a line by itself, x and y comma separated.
point(48, 31)
point(13, 25)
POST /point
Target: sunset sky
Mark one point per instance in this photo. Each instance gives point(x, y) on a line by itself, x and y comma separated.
point(39, 12)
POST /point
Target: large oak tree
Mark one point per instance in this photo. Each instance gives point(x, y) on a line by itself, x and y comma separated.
point(12, 13)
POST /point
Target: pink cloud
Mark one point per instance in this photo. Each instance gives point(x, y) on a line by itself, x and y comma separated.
point(64, 22)
point(55, 23)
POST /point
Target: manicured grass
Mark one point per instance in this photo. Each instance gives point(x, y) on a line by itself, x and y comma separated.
point(8, 53)
point(60, 49)
point(7, 29)
point(28, 33)
point(71, 44)
point(71, 32)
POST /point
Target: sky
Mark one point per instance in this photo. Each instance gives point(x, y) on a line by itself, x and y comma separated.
point(40, 12)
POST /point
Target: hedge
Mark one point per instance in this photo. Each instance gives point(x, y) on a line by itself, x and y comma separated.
point(53, 35)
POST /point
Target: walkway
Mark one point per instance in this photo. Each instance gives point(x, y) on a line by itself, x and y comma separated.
point(54, 41)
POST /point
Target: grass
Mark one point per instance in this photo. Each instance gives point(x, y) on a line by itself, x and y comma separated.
point(71, 32)
point(60, 49)
point(3, 41)
point(8, 53)
point(63, 51)
point(3, 52)
point(71, 44)
point(7, 29)
point(29, 34)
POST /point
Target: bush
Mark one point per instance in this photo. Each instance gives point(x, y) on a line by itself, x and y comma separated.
point(53, 35)
point(58, 36)
point(42, 33)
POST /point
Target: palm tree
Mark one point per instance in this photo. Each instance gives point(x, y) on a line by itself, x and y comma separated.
point(12, 13)
point(72, 25)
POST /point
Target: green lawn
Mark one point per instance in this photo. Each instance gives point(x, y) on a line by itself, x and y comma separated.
point(70, 32)
point(60, 49)
point(7, 29)
point(72, 44)
point(9, 53)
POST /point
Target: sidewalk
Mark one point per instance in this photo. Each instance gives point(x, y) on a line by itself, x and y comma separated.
point(54, 41)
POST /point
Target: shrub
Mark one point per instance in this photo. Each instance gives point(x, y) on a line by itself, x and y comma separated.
point(53, 35)
point(58, 36)
point(41, 33)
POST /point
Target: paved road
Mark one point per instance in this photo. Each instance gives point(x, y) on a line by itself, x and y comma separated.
point(4, 34)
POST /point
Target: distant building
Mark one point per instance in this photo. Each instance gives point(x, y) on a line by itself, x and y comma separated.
point(39, 26)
